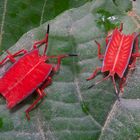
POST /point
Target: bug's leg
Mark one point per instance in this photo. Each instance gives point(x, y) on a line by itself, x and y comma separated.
point(133, 64)
point(41, 95)
point(99, 81)
point(107, 39)
point(11, 56)
point(57, 67)
point(116, 90)
point(8, 57)
point(100, 56)
point(46, 83)
point(122, 83)
point(19, 52)
point(137, 44)
point(4, 60)
point(59, 59)
point(38, 43)
point(94, 73)
point(121, 27)
point(135, 55)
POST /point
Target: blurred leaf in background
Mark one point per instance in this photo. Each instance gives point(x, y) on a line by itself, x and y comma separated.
point(70, 111)
point(19, 16)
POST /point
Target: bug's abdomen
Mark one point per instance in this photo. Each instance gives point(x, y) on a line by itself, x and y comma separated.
point(118, 53)
point(23, 78)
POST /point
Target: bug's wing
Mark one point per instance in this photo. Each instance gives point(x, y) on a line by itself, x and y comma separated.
point(124, 54)
point(111, 51)
point(23, 78)
point(118, 53)
point(18, 70)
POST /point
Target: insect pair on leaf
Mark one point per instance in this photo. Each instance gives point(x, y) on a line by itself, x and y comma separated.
point(120, 56)
point(28, 74)
point(32, 72)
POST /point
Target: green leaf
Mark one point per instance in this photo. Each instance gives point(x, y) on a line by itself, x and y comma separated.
point(71, 111)
point(107, 20)
point(18, 16)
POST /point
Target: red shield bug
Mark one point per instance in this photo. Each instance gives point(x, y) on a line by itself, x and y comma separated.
point(120, 55)
point(29, 73)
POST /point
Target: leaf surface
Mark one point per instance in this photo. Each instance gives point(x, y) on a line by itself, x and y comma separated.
point(70, 111)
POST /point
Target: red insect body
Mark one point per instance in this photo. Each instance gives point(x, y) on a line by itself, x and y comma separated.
point(117, 56)
point(28, 74)
point(22, 82)
point(118, 53)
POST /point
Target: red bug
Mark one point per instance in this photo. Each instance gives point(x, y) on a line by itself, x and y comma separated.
point(28, 74)
point(120, 55)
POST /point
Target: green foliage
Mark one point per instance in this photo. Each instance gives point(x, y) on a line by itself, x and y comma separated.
point(85, 107)
point(22, 16)
point(1, 122)
point(106, 19)
point(70, 111)
point(124, 4)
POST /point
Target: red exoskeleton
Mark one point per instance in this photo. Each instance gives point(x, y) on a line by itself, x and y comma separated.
point(120, 55)
point(30, 73)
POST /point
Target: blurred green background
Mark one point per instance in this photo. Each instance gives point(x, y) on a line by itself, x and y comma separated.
point(70, 111)
point(21, 16)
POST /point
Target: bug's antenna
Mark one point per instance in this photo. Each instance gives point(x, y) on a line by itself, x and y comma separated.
point(47, 36)
point(73, 54)
point(48, 29)
point(99, 81)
